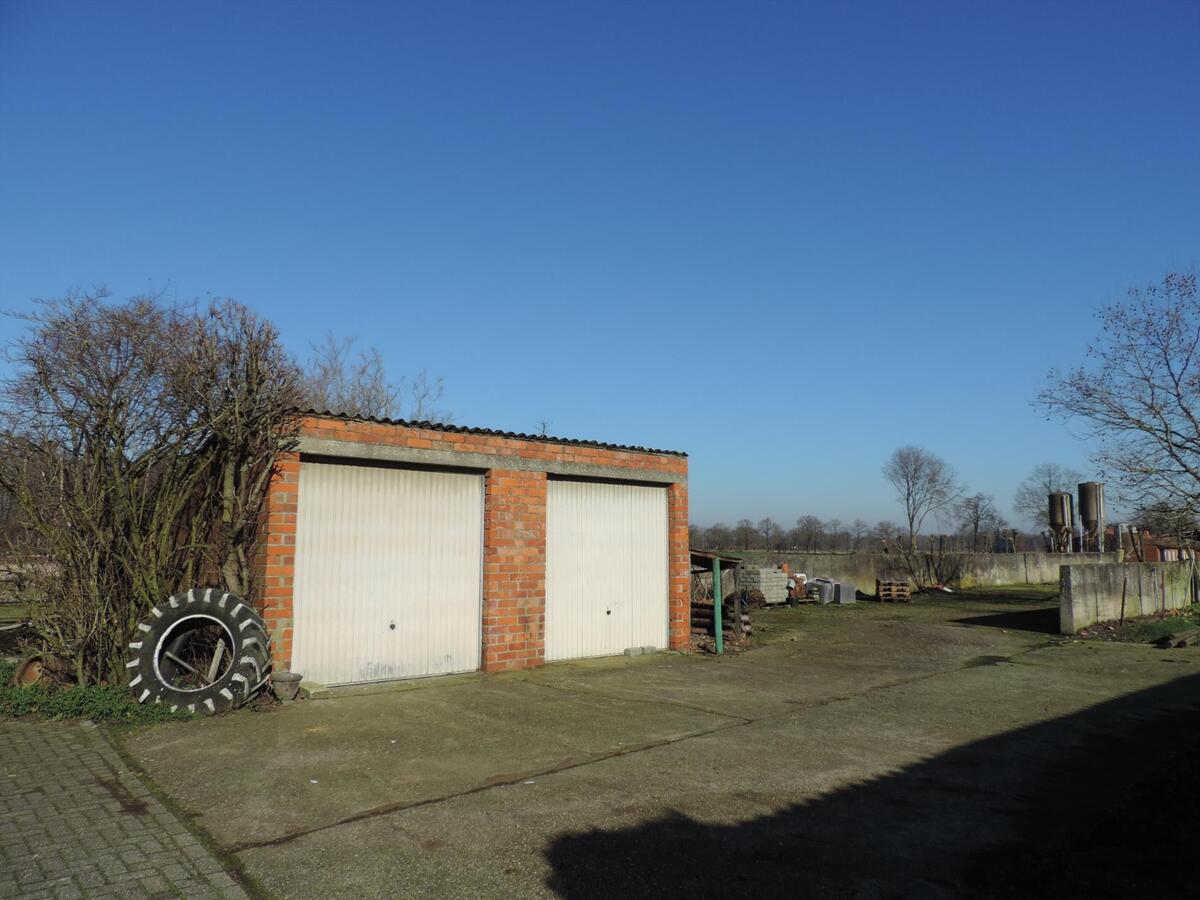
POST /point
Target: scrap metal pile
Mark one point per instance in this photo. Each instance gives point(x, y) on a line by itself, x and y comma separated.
point(800, 589)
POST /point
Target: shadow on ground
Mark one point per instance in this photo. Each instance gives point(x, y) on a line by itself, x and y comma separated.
point(1082, 805)
point(1038, 621)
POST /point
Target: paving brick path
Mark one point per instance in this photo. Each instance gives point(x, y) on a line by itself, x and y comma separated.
point(75, 822)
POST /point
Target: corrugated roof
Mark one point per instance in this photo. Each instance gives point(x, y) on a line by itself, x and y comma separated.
point(706, 557)
point(489, 432)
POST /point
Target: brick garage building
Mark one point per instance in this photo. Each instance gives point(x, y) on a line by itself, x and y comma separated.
point(396, 549)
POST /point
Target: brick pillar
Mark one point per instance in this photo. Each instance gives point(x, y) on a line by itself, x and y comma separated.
point(514, 570)
point(277, 557)
point(680, 563)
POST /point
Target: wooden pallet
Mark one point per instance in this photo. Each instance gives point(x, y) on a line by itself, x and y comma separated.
point(893, 591)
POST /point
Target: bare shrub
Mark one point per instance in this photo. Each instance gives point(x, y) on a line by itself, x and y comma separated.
point(137, 440)
point(937, 565)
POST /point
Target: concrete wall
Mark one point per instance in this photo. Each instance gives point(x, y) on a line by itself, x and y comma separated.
point(1090, 594)
point(971, 569)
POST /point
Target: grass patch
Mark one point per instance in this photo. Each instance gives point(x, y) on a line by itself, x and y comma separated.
point(1146, 629)
point(13, 612)
point(100, 703)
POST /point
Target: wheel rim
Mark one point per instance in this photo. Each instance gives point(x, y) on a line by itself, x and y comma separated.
point(194, 653)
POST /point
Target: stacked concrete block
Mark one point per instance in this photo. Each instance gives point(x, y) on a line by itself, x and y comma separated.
point(771, 582)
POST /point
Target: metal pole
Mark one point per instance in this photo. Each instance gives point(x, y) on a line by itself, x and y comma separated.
point(718, 618)
point(1071, 534)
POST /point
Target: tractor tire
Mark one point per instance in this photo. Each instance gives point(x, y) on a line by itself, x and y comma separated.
point(205, 651)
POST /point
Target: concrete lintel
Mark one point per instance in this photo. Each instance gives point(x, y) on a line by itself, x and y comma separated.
point(462, 460)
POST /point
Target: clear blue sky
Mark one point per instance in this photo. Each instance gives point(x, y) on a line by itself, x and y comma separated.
point(784, 237)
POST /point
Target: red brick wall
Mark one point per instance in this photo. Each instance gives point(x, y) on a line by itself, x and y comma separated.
point(514, 556)
point(514, 569)
point(277, 557)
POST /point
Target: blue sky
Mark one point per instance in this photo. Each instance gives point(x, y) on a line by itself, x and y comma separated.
point(784, 237)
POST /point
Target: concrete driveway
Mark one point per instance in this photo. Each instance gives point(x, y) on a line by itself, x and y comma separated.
point(876, 750)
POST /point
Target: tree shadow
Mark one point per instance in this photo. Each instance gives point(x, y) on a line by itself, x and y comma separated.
point(1076, 806)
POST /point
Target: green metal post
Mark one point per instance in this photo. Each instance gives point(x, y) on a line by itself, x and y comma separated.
point(718, 618)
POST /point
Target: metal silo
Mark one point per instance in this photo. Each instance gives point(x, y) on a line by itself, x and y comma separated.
point(1091, 513)
point(1062, 520)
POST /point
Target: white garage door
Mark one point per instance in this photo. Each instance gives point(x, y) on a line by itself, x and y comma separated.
point(388, 568)
point(606, 568)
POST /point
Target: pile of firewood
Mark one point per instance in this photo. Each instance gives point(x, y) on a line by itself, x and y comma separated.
point(733, 620)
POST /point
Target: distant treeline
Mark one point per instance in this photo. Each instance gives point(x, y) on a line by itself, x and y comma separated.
point(812, 535)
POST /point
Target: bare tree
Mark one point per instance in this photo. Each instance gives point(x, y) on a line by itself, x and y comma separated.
point(1031, 502)
point(770, 533)
point(1138, 394)
point(834, 536)
point(137, 441)
point(745, 536)
point(885, 531)
point(858, 533)
point(924, 484)
point(243, 389)
point(423, 396)
point(339, 380)
point(977, 515)
point(718, 537)
point(808, 532)
point(1167, 520)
